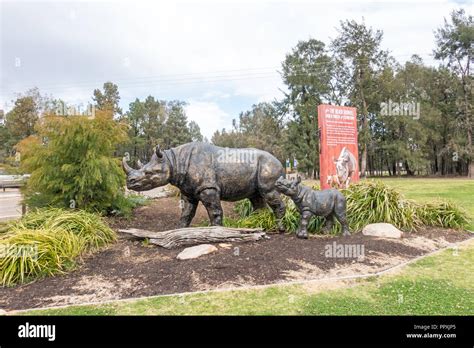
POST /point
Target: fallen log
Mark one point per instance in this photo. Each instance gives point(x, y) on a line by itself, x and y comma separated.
point(197, 235)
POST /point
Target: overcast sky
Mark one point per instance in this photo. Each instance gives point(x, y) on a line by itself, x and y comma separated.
point(219, 57)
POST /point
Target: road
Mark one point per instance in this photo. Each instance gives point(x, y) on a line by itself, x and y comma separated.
point(10, 201)
point(10, 207)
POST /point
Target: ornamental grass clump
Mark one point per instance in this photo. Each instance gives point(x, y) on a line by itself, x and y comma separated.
point(88, 226)
point(372, 202)
point(27, 254)
point(49, 241)
point(367, 202)
point(442, 214)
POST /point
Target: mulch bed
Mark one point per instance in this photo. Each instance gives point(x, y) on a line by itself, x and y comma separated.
point(130, 268)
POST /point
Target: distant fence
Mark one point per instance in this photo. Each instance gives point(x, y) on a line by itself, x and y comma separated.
point(13, 181)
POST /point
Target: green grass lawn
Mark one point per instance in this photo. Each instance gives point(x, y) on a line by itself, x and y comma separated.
point(438, 285)
point(442, 284)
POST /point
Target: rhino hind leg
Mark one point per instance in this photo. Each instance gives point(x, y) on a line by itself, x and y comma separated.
point(275, 202)
point(328, 224)
point(210, 198)
point(340, 213)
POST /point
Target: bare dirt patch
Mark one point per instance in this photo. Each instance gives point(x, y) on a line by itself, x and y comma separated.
point(130, 268)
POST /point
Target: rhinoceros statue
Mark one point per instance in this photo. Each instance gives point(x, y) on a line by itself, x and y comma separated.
point(208, 174)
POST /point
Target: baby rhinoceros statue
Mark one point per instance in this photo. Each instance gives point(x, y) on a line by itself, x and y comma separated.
point(328, 203)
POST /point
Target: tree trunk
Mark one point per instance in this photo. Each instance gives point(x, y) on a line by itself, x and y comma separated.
point(363, 162)
point(466, 92)
point(197, 235)
point(409, 171)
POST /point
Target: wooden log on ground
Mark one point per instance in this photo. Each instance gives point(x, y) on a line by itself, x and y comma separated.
point(197, 235)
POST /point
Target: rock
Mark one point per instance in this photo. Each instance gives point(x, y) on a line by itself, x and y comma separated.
point(225, 245)
point(2, 312)
point(196, 251)
point(383, 230)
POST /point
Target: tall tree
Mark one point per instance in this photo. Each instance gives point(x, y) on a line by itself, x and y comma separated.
point(358, 47)
point(20, 121)
point(455, 45)
point(195, 131)
point(108, 100)
point(176, 131)
point(261, 127)
point(306, 72)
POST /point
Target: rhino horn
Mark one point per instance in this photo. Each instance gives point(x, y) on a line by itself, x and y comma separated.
point(158, 151)
point(140, 164)
point(126, 167)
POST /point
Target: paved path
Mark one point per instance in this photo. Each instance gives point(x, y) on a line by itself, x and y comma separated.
point(10, 207)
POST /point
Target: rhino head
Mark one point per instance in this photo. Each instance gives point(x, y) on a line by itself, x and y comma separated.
point(155, 173)
point(288, 187)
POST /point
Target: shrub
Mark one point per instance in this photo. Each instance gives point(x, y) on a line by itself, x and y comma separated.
point(72, 165)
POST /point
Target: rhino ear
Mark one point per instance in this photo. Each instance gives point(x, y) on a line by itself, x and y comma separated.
point(158, 151)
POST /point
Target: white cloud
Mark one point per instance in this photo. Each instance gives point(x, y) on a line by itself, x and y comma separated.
point(208, 115)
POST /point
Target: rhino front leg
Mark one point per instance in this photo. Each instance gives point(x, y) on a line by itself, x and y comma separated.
point(212, 201)
point(303, 228)
point(188, 210)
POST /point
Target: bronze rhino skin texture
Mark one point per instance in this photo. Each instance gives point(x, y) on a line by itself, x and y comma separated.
point(208, 174)
point(328, 203)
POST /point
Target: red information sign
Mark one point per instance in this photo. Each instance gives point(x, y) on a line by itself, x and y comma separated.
point(338, 158)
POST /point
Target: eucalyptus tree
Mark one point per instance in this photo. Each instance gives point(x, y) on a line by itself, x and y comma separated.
point(307, 74)
point(358, 48)
point(454, 43)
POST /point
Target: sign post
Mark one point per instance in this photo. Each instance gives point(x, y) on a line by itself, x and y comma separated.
point(338, 151)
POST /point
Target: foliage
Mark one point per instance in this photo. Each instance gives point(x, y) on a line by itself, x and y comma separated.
point(261, 128)
point(367, 202)
point(152, 122)
point(88, 226)
point(72, 165)
point(55, 253)
point(49, 241)
point(109, 99)
point(443, 214)
point(454, 45)
point(435, 137)
point(372, 202)
point(306, 72)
